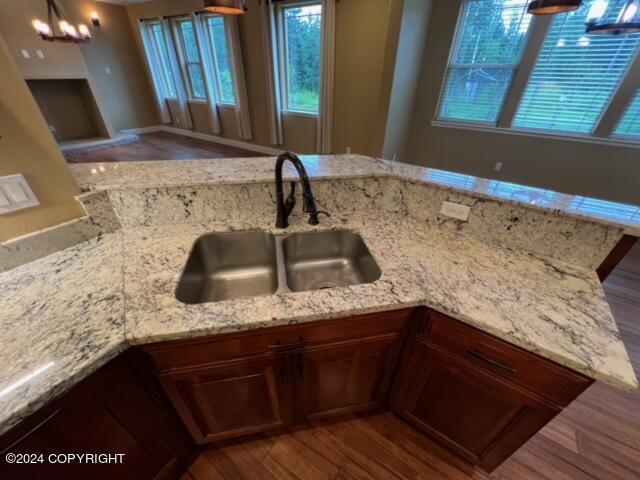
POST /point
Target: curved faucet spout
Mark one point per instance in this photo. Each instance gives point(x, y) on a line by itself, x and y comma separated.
point(283, 209)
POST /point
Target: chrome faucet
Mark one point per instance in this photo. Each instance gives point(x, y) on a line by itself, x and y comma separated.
point(284, 208)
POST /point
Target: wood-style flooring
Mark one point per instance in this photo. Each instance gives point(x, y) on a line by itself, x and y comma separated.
point(160, 146)
point(595, 438)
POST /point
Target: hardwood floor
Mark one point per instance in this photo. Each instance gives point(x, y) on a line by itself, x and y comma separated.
point(161, 146)
point(596, 438)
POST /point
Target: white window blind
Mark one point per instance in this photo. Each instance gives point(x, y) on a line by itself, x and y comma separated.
point(575, 75)
point(161, 58)
point(490, 38)
point(630, 122)
point(190, 58)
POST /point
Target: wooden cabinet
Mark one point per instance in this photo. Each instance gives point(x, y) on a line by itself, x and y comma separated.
point(242, 383)
point(466, 389)
point(111, 412)
point(346, 377)
point(233, 398)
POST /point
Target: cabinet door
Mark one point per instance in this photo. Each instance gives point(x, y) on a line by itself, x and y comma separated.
point(345, 377)
point(476, 414)
point(109, 413)
point(233, 398)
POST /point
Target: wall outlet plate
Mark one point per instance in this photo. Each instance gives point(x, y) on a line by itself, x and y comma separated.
point(16, 194)
point(455, 210)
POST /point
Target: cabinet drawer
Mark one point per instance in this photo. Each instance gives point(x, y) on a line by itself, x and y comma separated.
point(218, 348)
point(545, 378)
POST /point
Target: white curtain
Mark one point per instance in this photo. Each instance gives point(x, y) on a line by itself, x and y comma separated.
point(151, 64)
point(181, 89)
point(239, 83)
point(209, 77)
point(267, 21)
point(325, 116)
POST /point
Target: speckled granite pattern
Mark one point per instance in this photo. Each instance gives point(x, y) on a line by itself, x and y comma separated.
point(573, 240)
point(551, 308)
point(101, 219)
point(65, 315)
point(61, 318)
point(106, 176)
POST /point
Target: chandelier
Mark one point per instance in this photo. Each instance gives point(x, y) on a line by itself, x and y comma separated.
point(59, 28)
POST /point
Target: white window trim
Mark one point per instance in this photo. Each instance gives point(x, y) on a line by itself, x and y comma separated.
point(180, 48)
point(157, 58)
point(214, 59)
point(613, 139)
point(451, 65)
point(282, 57)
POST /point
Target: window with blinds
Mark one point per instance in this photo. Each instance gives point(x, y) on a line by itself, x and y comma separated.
point(629, 125)
point(576, 74)
point(490, 38)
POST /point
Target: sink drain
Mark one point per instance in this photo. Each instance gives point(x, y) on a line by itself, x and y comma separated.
point(325, 285)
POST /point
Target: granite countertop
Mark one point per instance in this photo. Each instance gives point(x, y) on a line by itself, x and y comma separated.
point(172, 173)
point(67, 314)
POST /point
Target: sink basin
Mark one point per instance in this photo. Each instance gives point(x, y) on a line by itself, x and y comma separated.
point(320, 260)
point(225, 266)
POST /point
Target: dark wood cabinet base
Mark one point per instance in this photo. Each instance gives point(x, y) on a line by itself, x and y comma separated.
point(475, 394)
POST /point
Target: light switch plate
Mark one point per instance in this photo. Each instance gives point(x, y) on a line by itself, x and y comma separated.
point(455, 210)
point(16, 194)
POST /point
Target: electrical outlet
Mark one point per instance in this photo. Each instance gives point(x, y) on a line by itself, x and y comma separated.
point(40, 54)
point(108, 70)
point(348, 150)
point(25, 53)
point(455, 210)
point(498, 167)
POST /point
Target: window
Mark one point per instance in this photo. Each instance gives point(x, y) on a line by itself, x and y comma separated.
point(190, 59)
point(576, 74)
point(490, 39)
point(629, 125)
point(299, 44)
point(605, 209)
point(221, 59)
point(161, 58)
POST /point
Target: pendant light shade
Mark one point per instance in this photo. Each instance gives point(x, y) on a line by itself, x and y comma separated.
point(552, 7)
point(225, 7)
point(628, 21)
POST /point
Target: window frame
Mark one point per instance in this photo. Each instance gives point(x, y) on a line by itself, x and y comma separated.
point(611, 137)
point(597, 136)
point(283, 56)
point(157, 58)
point(180, 47)
point(451, 65)
point(214, 59)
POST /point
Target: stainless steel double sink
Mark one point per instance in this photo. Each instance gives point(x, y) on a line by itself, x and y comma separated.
point(224, 266)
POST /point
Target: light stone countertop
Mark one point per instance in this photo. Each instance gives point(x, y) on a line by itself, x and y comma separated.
point(66, 311)
point(172, 173)
point(65, 315)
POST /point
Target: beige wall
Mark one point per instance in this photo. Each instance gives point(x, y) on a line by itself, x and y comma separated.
point(124, 94)
point(127, 96)
point(27, 147)
point(360, 67)
point(603, 171)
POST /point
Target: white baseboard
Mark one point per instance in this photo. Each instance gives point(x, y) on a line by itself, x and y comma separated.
point(207, 137)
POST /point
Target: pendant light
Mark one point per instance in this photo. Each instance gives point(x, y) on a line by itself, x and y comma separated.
point(59, 28)
point(225, 7)
point(628, 20)
point(552, 7)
